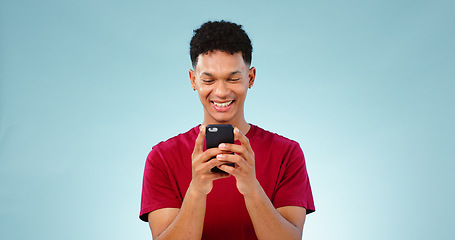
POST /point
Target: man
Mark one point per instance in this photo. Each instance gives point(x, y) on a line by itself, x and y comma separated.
point(266, 195)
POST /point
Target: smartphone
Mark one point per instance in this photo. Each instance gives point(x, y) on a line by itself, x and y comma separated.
point(216, 134)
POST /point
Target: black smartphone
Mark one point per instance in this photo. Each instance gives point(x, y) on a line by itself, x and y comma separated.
point(216, 134)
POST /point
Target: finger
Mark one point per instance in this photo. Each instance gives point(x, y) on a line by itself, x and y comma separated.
point(239, 150)
point(232, 148)
point(228, 169)
point(243, 140)
point(199, 143)
point(209, 154)
point(206, 168)
point(219, 175)
point(231, 158)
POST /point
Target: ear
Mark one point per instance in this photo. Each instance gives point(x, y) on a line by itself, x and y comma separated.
point(192, 78)
point(251, 76)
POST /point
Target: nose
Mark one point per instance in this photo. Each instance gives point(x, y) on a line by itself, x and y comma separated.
point(221, 89)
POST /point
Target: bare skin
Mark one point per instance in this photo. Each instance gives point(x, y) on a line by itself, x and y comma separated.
point(222, 78)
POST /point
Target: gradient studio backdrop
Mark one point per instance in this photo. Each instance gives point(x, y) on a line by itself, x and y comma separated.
point(366, 87)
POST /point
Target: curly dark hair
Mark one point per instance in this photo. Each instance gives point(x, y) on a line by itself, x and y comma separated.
point(220, 35)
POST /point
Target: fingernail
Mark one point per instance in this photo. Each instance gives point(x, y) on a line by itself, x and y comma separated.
point(222, 145)
point(220, 156)
point(236, 130)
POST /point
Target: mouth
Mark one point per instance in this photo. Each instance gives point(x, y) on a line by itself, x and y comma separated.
point(222, 106)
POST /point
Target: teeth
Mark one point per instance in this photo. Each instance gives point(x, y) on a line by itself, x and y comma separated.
point(222, 104)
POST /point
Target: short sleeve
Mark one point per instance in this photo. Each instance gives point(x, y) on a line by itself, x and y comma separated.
point(157, 189)
point(294, 185)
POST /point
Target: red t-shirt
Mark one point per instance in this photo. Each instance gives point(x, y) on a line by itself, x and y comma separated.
point(280, 169)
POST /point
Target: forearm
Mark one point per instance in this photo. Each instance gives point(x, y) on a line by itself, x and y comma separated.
point(189, 222)
point(267, 221)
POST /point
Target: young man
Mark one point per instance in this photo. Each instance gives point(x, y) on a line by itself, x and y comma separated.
point(266, 195)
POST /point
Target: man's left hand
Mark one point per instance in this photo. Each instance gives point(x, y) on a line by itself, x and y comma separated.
point(243, 157)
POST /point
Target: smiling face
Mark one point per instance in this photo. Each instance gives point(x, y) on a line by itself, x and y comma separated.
point(222, 82)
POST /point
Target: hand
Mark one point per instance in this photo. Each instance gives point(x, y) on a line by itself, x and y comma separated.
point(202, 176)
point(244, 170)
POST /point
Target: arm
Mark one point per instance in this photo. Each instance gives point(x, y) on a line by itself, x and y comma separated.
point(188, 221)
point(183, 223)
point(269, 223)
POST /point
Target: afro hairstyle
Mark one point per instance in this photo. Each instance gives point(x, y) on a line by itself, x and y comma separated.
point(220, 35)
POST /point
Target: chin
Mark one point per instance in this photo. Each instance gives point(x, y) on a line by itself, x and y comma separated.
point(221, 117)
point(222, 120)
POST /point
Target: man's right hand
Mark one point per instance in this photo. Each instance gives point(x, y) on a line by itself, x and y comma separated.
point(202, 176)
point(187, 222)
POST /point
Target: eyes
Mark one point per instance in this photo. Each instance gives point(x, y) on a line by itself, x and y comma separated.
point(210, 81)
point(233, 79)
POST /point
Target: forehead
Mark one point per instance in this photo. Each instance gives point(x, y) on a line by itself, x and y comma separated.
point(220, 62)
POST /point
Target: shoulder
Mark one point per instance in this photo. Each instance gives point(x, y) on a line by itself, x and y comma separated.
point(264, 136)
point(182, 142)
point(179, 139)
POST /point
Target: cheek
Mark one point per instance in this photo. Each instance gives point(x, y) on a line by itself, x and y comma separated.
point(203, 93)
point(242, 90)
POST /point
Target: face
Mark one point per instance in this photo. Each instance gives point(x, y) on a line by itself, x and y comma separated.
point(222, 81)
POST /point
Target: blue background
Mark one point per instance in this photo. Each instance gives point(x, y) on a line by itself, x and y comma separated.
point(366, 87)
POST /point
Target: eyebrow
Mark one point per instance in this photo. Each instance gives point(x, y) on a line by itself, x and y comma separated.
point(211, 75)
point(207, 74)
